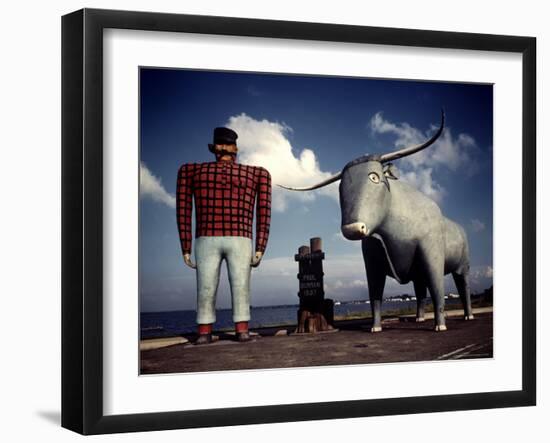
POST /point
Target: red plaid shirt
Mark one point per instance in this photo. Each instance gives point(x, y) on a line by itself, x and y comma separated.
point(225, 193)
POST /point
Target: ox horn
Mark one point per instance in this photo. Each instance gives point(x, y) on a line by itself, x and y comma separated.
point(412, 149)
point(318, 185)
point(382, 158)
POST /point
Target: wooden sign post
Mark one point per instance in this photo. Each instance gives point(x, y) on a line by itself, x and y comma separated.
point(316, 314)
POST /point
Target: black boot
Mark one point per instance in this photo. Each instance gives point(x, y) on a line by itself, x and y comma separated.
point(204, 339)
point(243, 336)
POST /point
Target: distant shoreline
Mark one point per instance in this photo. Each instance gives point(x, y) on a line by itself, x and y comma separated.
point(476, 299)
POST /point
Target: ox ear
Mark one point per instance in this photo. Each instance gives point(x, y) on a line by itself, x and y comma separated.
point(391, 172)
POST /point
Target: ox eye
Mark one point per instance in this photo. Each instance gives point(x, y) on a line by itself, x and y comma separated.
point(374, 177)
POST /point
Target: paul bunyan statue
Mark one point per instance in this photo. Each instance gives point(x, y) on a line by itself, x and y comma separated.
point(404, 235)
point(226, 195)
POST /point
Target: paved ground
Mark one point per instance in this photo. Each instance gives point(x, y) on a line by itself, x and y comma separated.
point(400, 341)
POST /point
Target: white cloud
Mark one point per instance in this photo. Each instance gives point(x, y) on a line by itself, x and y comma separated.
point(151, 187)
point(348, 284)
point(481, 277)
point(478, 272)
point(265, 143)
point(448, 151)
point(422, 180)
point(345, 279)
point(477, 225)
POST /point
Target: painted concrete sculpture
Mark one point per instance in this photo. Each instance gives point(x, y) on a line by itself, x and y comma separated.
point(225, 195)
point(403, 233)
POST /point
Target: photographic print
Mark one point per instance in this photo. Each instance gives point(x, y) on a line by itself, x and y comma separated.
point(292, 204)
point(292, 220)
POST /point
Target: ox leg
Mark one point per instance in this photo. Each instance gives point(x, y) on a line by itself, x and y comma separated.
point(434, 268)
point(376, 290)
point(437, 292)
point(420, 292)
point(376, 279)
point(463, 288)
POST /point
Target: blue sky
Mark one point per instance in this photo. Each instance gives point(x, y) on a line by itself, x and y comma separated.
point(304, 129)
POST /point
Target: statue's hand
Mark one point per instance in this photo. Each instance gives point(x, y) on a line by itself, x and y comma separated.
point(188, 261)
point(256, 259)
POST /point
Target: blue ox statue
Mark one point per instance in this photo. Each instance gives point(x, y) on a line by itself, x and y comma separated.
point(403, 233)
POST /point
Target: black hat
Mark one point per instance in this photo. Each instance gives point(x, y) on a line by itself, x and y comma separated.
point(223, 136)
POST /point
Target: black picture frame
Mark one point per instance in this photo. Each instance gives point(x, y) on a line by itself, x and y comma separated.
point(82, 218)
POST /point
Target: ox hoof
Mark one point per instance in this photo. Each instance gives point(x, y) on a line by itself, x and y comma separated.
point(420, 319)
point(376, 329)
point(440, 328)
point(468, 317)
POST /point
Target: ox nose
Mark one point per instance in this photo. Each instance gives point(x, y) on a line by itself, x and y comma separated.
point(355, 231)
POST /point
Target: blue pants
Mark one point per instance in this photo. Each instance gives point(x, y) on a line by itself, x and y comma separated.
point(209, 253)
